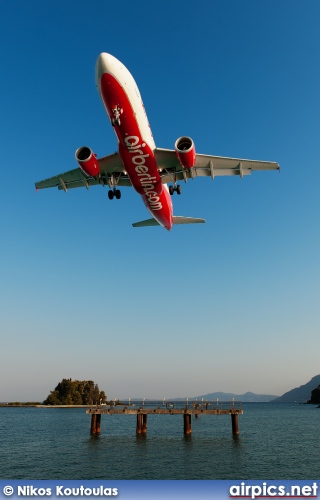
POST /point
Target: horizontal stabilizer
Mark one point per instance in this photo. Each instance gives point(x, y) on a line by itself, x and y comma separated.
point(148, 222)
point(175, 220)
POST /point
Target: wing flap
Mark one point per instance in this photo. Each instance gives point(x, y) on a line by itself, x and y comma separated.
point(206, 166)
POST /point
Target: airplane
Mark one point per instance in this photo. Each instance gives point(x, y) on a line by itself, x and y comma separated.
point(138, 162)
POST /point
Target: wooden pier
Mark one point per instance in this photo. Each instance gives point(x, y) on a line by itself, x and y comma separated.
point(185, 408)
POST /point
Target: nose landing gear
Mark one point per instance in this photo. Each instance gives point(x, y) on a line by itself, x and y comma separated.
point(117, 112)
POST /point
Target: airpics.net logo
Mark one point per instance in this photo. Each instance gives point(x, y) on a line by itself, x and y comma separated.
point(272, 491)
point(60, 491)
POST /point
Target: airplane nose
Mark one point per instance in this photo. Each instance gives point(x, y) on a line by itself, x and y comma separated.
point(106, 63)
point(101, 66)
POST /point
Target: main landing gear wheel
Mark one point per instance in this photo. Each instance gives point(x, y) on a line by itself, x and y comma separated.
point(172, 189)
point(114, 192)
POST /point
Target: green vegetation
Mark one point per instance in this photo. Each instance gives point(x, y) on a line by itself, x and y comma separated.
point(75, 392)
point(315, 396)
point(29, 403)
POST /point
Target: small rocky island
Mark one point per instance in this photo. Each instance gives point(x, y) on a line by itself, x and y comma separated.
point(76, 392)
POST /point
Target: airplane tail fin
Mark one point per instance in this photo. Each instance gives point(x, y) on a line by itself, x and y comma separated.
point(176, 219)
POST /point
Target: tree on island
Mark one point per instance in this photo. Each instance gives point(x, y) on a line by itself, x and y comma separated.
point(315, 396)
point(75, 392)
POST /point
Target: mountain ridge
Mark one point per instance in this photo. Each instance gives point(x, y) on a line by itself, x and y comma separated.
point(247, 397)
point(300, 394)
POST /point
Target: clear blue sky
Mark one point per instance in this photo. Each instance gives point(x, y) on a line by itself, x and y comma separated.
point(231, 305)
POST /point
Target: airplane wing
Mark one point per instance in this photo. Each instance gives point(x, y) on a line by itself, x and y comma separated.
point(168, 163)
point(206, 166)
point(110, 165)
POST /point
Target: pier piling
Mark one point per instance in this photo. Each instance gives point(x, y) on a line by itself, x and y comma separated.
point(144, 423)
point(234, 422)
point(95, 423)
point(141, 423)
point(187, 424)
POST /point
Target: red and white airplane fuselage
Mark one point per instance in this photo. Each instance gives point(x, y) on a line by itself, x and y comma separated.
point(138, 162)
point(122, 101)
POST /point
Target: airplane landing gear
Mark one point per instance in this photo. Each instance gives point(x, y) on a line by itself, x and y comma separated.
point(114, 193)
point(113, 190)
point(174, 188)
point(117, 112)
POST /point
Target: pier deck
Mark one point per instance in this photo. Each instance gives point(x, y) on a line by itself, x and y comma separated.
point(186, 408)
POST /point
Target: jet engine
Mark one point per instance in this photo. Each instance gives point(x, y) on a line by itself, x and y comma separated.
point(88, 162)
point(185, 151)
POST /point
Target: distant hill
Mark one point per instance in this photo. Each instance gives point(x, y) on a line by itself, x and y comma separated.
point(300, 394)
point(248, 397)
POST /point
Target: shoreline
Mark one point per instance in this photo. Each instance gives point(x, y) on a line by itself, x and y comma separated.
point(22, 405)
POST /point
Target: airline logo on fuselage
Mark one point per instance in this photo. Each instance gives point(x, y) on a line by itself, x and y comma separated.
point(142, 171)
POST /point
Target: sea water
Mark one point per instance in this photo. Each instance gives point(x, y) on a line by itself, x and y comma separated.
point(276, 441)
